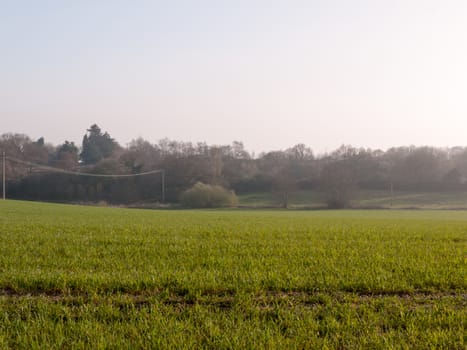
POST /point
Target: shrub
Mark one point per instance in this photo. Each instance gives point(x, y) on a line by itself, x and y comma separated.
point(208, 196)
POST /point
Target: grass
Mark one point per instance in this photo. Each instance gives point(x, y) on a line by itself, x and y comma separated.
point(83, 277)
point(363, 199)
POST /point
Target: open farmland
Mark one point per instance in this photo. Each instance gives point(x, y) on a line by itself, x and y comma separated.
point(83, 277)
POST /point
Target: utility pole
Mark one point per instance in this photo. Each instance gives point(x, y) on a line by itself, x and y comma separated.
point(392, 193)
point(3, 174)
point(163, 185)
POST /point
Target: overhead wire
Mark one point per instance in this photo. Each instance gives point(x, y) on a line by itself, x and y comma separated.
point(78, 173)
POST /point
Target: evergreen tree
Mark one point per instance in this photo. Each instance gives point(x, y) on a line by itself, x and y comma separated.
point(97, 145)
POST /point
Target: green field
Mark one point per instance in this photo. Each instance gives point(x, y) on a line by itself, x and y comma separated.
point(363, 199)
point(84, 277)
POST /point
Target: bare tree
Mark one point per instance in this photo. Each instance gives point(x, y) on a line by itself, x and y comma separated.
point(339, 184)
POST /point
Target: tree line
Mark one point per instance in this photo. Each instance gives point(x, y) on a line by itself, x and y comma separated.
point(337, 174)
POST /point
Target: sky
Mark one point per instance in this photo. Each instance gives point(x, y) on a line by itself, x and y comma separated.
point(370, 73)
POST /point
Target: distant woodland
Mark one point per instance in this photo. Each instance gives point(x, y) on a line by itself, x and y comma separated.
point(338, 174)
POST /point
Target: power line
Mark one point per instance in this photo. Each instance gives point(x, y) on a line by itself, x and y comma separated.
point(77, 173)
point(70, 172)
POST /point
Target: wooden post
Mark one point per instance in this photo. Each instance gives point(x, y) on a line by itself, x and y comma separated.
point(3, 174)
point(392, 193)
point(163, 185)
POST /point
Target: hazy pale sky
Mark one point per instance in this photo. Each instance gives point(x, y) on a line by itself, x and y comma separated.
point(371, 73)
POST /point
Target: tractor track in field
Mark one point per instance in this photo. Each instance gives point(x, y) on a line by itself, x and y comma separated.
point(266, 299)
